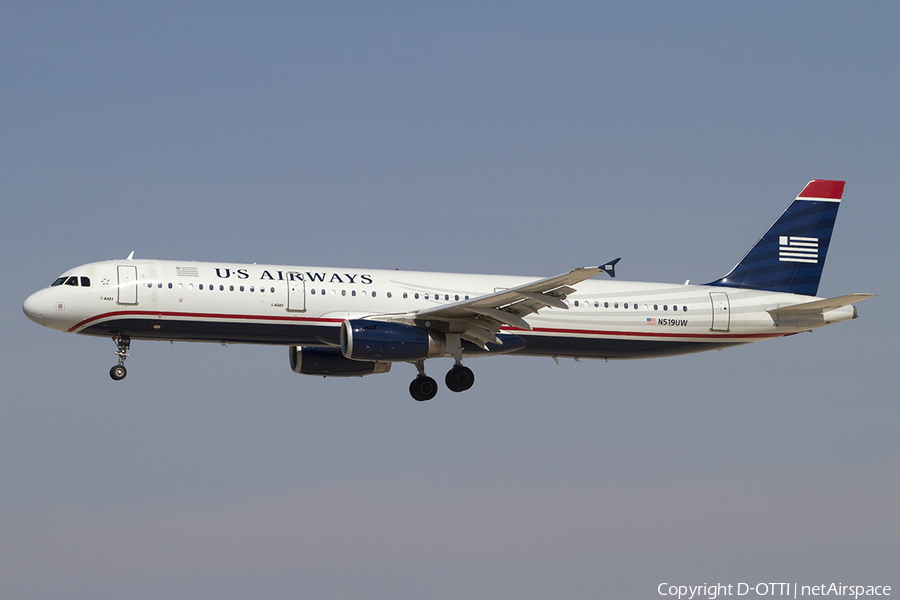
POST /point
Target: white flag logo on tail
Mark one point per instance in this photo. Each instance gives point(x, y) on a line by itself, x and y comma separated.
point(798, 249)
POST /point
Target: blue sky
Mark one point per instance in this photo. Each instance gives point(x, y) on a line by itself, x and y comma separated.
point(519, 138)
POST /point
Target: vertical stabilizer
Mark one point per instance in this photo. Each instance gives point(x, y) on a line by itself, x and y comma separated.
point(789, 257)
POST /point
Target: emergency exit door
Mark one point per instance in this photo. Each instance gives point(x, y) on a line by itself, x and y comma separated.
point(721, 317)
point(296, 295)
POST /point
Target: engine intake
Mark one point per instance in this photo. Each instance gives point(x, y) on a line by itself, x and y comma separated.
point(329, 362)
point(379, 340)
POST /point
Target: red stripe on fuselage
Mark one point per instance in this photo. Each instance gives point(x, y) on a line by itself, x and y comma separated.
point(217, 316)
point(292, 319)
point(649, 333)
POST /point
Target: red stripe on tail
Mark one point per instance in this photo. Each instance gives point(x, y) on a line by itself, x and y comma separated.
point(823, 188)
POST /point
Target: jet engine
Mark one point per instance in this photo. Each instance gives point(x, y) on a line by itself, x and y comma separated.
point(379, 340)
point(329, 362)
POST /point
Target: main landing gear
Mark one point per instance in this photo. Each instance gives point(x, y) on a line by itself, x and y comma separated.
point(123, 343)
point(423, 387)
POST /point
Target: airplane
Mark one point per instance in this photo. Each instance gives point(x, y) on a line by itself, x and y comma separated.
point(340, 322)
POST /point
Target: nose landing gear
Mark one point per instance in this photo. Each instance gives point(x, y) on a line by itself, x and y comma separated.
point(123, 343)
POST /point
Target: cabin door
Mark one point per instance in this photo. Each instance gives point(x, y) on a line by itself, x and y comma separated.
point(127, 284)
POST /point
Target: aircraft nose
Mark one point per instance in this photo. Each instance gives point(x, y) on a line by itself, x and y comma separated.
point(34, 307)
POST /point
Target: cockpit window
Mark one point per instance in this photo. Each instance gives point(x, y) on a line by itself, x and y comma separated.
point(85, 282)
point(59, 281)
point(72, 281)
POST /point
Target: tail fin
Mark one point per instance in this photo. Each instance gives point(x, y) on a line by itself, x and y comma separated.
point(789, 257)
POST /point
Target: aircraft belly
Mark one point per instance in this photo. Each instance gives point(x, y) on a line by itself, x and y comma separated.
point(218, 331)
point(615, 348)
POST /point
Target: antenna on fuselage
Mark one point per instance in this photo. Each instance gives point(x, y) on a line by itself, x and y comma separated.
point(130, 256)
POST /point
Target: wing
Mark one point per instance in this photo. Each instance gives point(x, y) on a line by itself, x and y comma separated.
point(479, 320)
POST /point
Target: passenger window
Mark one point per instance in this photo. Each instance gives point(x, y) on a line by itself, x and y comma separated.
point(221, 288)
point(170, 285)
point(417, 295)
point(665, 307)
point(655, 307)
point(353, 293)
point(242, 288)
point(684, 308)
point(273, 290)
point(635, 306)
point(373, 294)
point(230, 288)
point(159, 285)
point(343, 292)
point(625, 305)
point(85, 282)
point(606, 305)
point(312, 291)
point(576, 303)
point(675, 307)
point(405, 295)
point(615, 305)
point(201, 286)
point(388, 294)
point(253, 289)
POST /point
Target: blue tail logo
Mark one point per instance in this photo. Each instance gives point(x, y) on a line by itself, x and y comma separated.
point(791, 254)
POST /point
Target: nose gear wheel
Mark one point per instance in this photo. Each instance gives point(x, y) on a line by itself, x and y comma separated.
point(123, 343)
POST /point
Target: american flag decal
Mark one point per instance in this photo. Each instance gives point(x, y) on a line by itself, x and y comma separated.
point(187, 271)
point(651, 321)
point(798, 249)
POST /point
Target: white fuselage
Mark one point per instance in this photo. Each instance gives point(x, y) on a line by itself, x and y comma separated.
point(305, 306)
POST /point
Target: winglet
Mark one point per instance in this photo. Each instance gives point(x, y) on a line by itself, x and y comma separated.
point(610, 267)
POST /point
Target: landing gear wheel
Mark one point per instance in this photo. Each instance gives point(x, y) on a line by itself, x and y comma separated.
point(123, 343)
point(459, 378)
point(423, 388)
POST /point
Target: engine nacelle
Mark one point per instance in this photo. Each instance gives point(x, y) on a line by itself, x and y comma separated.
point(379, 340)
point(329, 362)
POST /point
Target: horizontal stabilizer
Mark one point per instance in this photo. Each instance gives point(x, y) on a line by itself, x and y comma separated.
point(818, 307)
